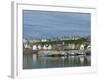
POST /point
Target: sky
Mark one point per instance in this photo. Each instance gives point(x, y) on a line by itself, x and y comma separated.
point(48, 24)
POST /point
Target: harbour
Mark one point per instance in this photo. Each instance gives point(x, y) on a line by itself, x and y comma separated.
point(32, 61)
point(53, 39)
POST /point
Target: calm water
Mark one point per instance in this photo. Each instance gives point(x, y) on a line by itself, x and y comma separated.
point(33, 61)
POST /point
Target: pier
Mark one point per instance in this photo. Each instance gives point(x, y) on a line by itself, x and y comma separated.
point(56, 53)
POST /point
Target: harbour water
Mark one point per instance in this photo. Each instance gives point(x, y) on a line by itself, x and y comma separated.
point(33, 61)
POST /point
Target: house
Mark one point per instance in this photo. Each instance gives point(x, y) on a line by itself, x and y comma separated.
point(43, 40)
point(49, 47)
point(81, 47)
point(25, 41)
point(88, 47)
point(39, 47)
point(27, 46)
point(45, 47)
point(34, 47)
point(73, 46)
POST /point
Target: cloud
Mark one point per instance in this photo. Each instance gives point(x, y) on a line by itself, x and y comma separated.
point(46, 23)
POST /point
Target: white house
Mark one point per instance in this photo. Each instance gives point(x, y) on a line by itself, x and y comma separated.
point(81, 47)
point(63, 43)
point(88, 47)
point(73, 46)
point(39, 47)
point(26, 46)
point(45, 47)
point(49, 47)
point(24, 41)
point(34, 47)
point(43, 40)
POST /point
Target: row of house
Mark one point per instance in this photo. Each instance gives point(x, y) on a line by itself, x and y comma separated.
point(57, 47)
point(39, 47)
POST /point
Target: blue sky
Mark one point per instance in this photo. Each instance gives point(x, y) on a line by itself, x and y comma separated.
point(47, 24)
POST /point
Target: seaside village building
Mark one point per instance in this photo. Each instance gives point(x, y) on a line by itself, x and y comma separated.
point(39, 47)
point(45, 47)
point(34, 47)
point(89, 47)
point(49, 47)
point(81, 47)
point(27, 46)
point(43, 40)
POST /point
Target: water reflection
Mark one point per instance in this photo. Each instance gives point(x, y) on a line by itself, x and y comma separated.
point(34, 57)
point(33, 61)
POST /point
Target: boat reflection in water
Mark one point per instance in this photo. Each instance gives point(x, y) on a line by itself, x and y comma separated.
point(33, 61)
